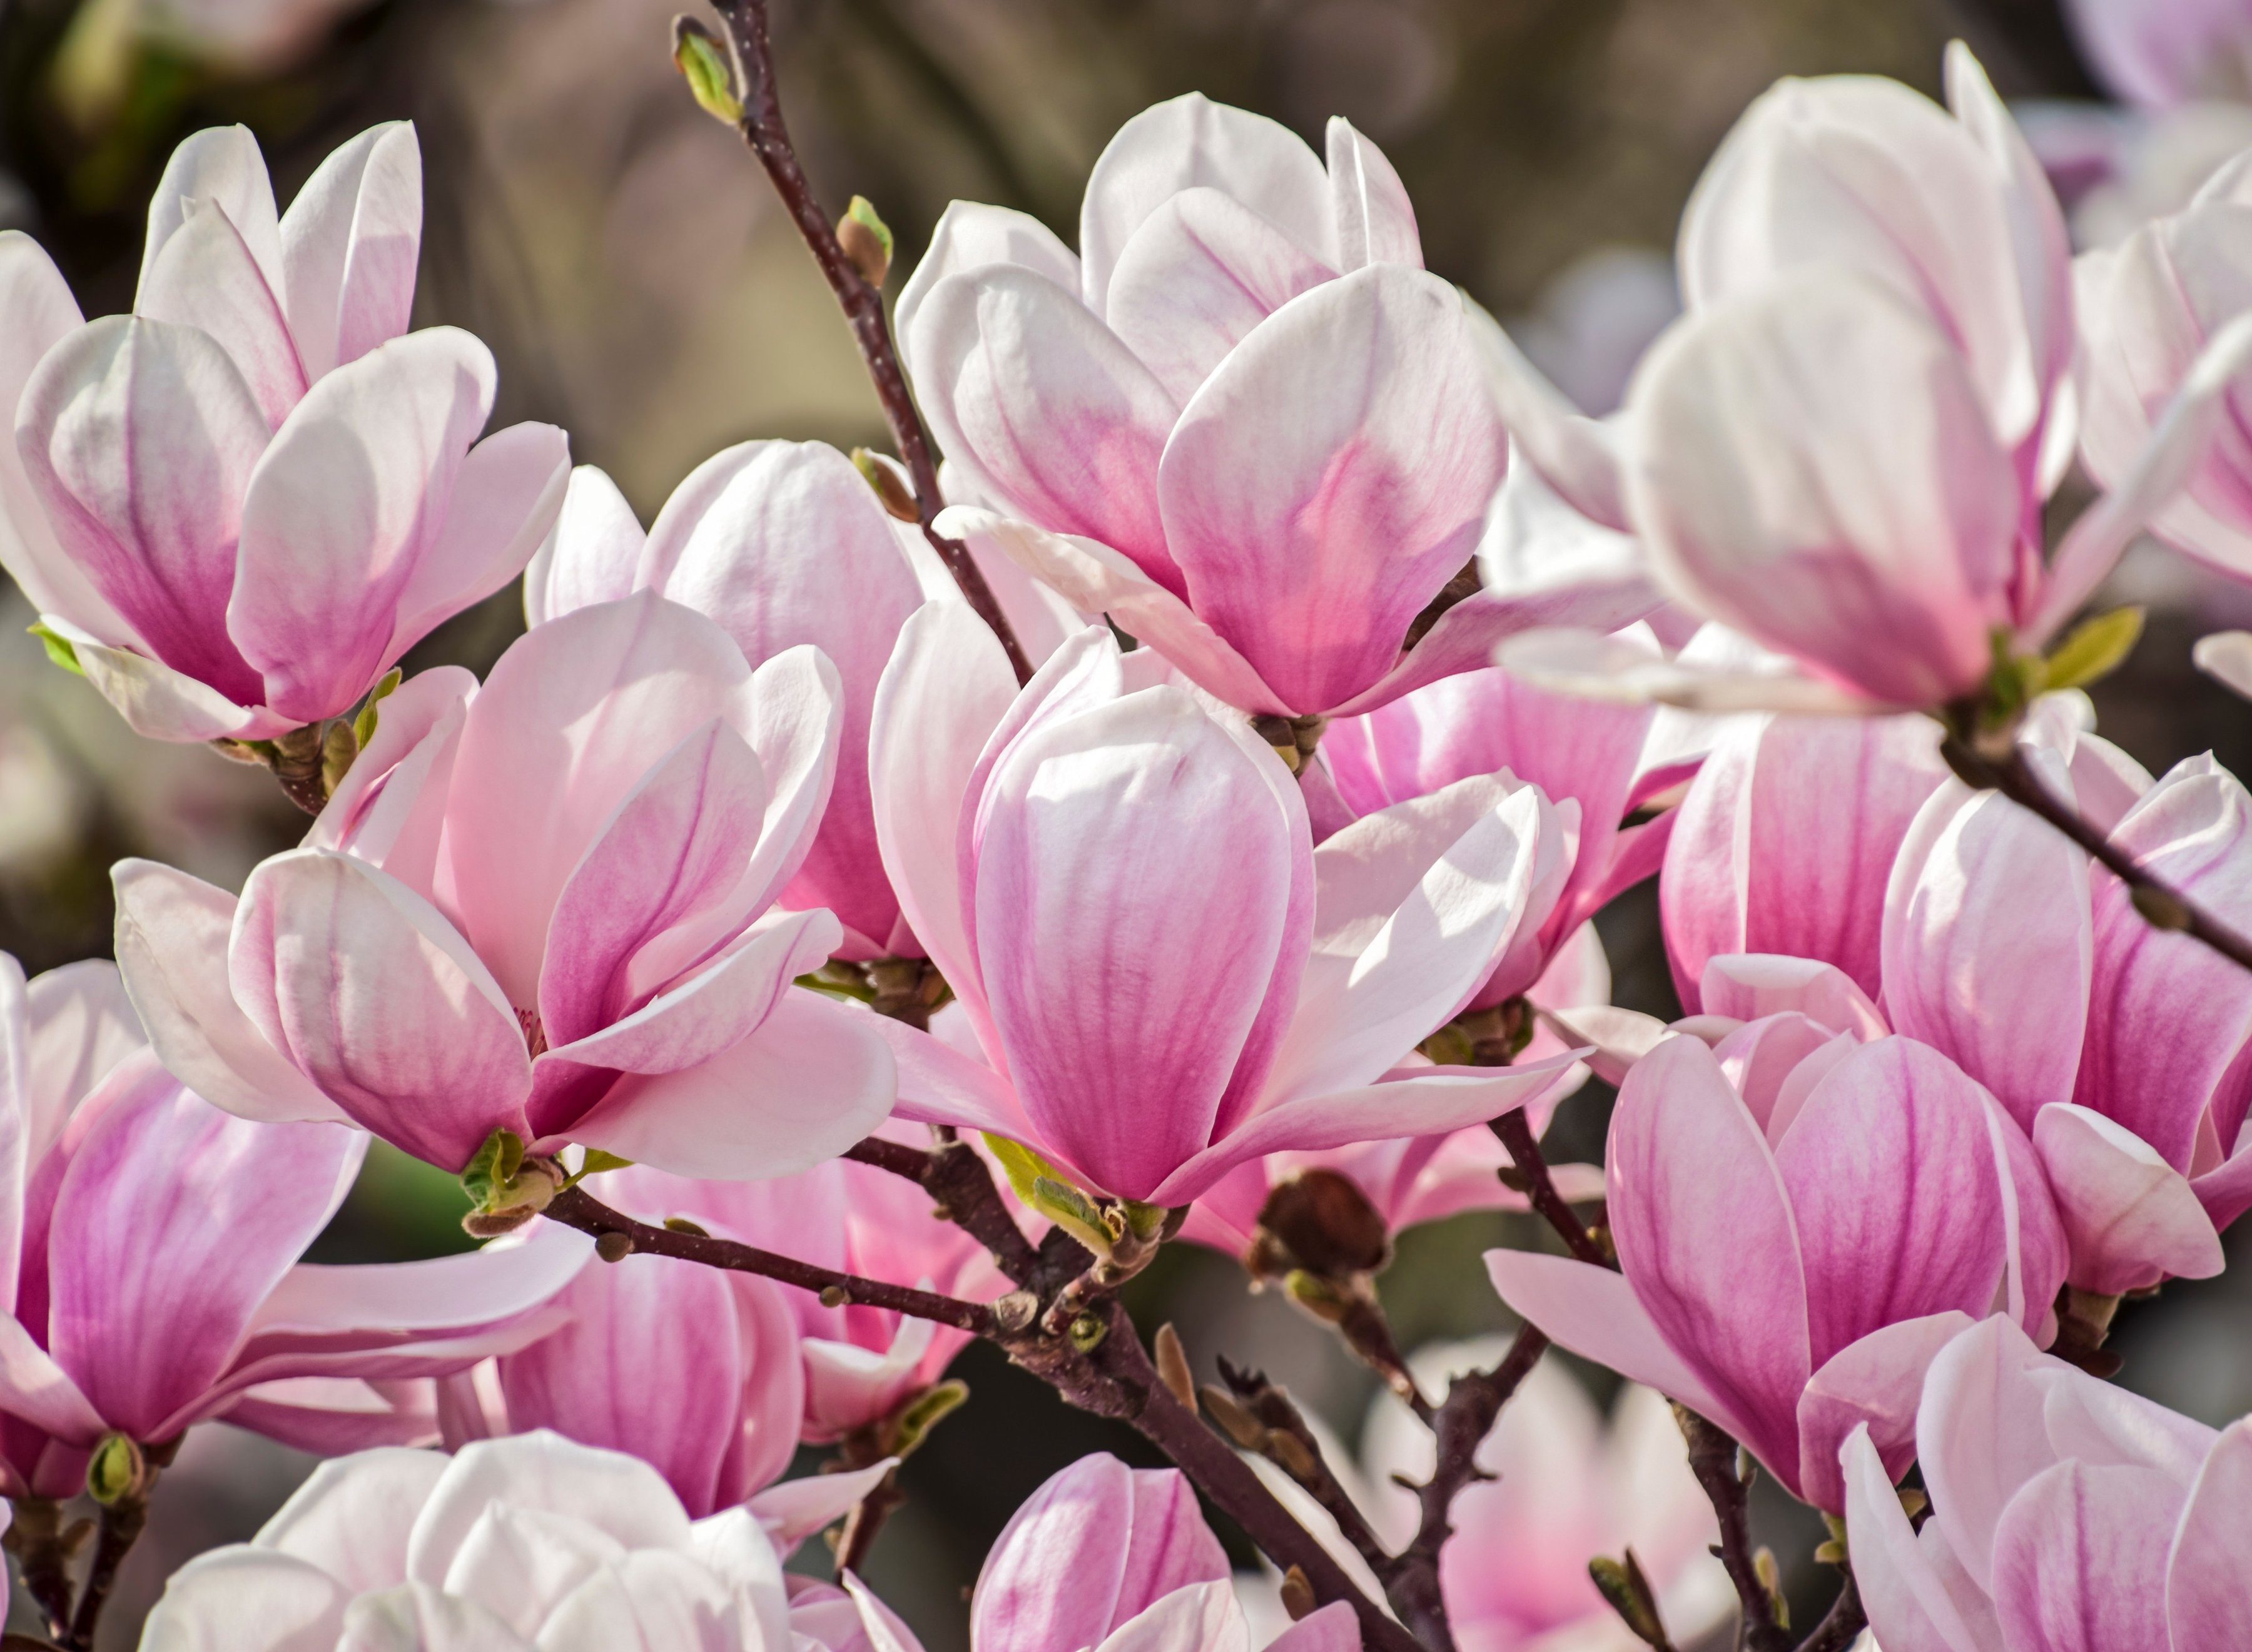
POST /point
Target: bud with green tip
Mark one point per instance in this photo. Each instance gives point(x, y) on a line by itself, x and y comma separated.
point(705, 67)
point(866, 240)
point(116, 1470)
point(1622, 1584)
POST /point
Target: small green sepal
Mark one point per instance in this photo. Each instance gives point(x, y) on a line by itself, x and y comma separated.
point(363, 726)
point(705, 67)
point(59, 648)
point(2094, 649)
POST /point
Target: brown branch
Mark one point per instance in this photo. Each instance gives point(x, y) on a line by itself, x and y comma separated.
point(764, 130)
point(1524, 1152)
point(575, 1207)
point(1264, 1418)
point(1712, 1453)
point(962, 1186)
point(866, 1520)
point(1846, 1620)
point(123, 1522)
point(2163, 906)
point(40, 1543)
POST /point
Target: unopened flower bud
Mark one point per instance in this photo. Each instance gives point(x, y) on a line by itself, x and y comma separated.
point(1299, 1594)
point(1622, 1584)
point(613, 1246)
point(898, 498)
point(1323, 1224)
point(1173, 1366)
point(704, 68)
point(115, 1471)
point(866, 240)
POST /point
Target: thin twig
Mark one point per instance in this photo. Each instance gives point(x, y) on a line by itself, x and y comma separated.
point(1278, 1414)
point(962, 1186)
point(2163, 907)
point(123, 1522)
point(866, 1520)
point(1845, 1619)
point(1712, 1453)
point(575, 1207)
point(1524, 1152)
point(764, 130)
point(36, 1537)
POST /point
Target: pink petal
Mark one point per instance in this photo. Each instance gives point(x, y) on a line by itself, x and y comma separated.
point(1705, 1235)
point(811, 1081)
point(1042, 408)
point(389, 808)
point(139, 438)
point(350, 243)
point(1197, 276)
point(1873, 1384)
point(970, 235)
point(2167, 1020)
point(1751, 985)
point(565, 728)
point(172, 937)
point(221, 165)
point(1312, 542)
point(946, 688)
point(159, 702)
point(1332, 1629)
point(591, 556)
point(2080, 1560)
point(542, 1472)
point(1375, 221)
point(1095, 1546)
point(1786, 839)
point(1576, 457)
point(1897, 1191)
point(796, 1509)
point(372, 995)
point(1905, 1579)
point(939, 1085)
point(1091, 861)
point(1096, 580)
point(205, 277)
point(790, 546)
point(1190, 141)
point(173, 1223)
point(343, 508)
point(1980, 1436)
point(204, 1603)
point(1880, 555)
point(2208, 1601)
point(1988, 947)
point(351, 1519)
point(2130, 1217)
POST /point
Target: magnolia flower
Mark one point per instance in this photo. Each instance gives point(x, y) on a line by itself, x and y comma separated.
point(2066, 1513)
point(1585, 756)
point(531, 1542)
point(151, 1246)
point(2163, 53)
point(1805, 1212)
point(237, 506)
point(1242, 420)
point(2150, 308)
point(1165, 978)
point(1113, 1559)
point(861, 1362)
point(1843, 450)
point(2117, 1045)
point(1569, 1484)
point(536, 906)
point(784, 543)
point(1785, 839)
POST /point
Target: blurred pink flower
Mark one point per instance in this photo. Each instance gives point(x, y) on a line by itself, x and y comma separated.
point(540, 906)
point(149, 1246)
point(240, 504)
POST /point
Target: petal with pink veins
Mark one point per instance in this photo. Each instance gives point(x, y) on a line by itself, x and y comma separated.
point(2131, 1219)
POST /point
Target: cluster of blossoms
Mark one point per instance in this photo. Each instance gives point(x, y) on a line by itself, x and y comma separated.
point(1195, 828)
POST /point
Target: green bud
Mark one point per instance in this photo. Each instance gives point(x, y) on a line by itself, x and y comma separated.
point(899, 503)
point(2094, 649)
point(363, 726)
point(1622, 1584)
point(115, 1471)
point(1144, 1222)
point(705, 67)
point(915, 1421)
point(59, 648)
point(866, 240)
point(495, 1166)
point(682, 1224)
point(1087, 1333)
point(505, 1190)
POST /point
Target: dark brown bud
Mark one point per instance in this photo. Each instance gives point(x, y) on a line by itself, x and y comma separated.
point(1327, 1224)
point(1299, 1594)
point(1173, 1366)
point(613, 1246)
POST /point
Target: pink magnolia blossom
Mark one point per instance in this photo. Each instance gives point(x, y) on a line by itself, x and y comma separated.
point(784, 543)
point(1786, 838)
point(531, 1542)
point(1805, 1212)
point(1568, 1483)
point(1165, 978)
point(2163, 53)
point(2116, 1046)
point(240, 504)
point(151, 1259)
point(1585, 756)
point(2066, 1514)
point(1119, 1560)
point(2150, 308)
point(861, 1362)
point(539, 907)
point(1242, 420)
point(1843, 450)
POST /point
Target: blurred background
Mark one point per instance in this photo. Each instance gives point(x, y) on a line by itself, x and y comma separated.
point(639, 286)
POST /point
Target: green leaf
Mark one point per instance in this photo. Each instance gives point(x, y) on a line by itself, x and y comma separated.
point(363, 725)
point(1021, 1165)
point(59, 648)
point(488, 1178)
point(1072, 1211)
point(597, 1161)
point(863, 212)
point(924, 1412)
point(2094, 649)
